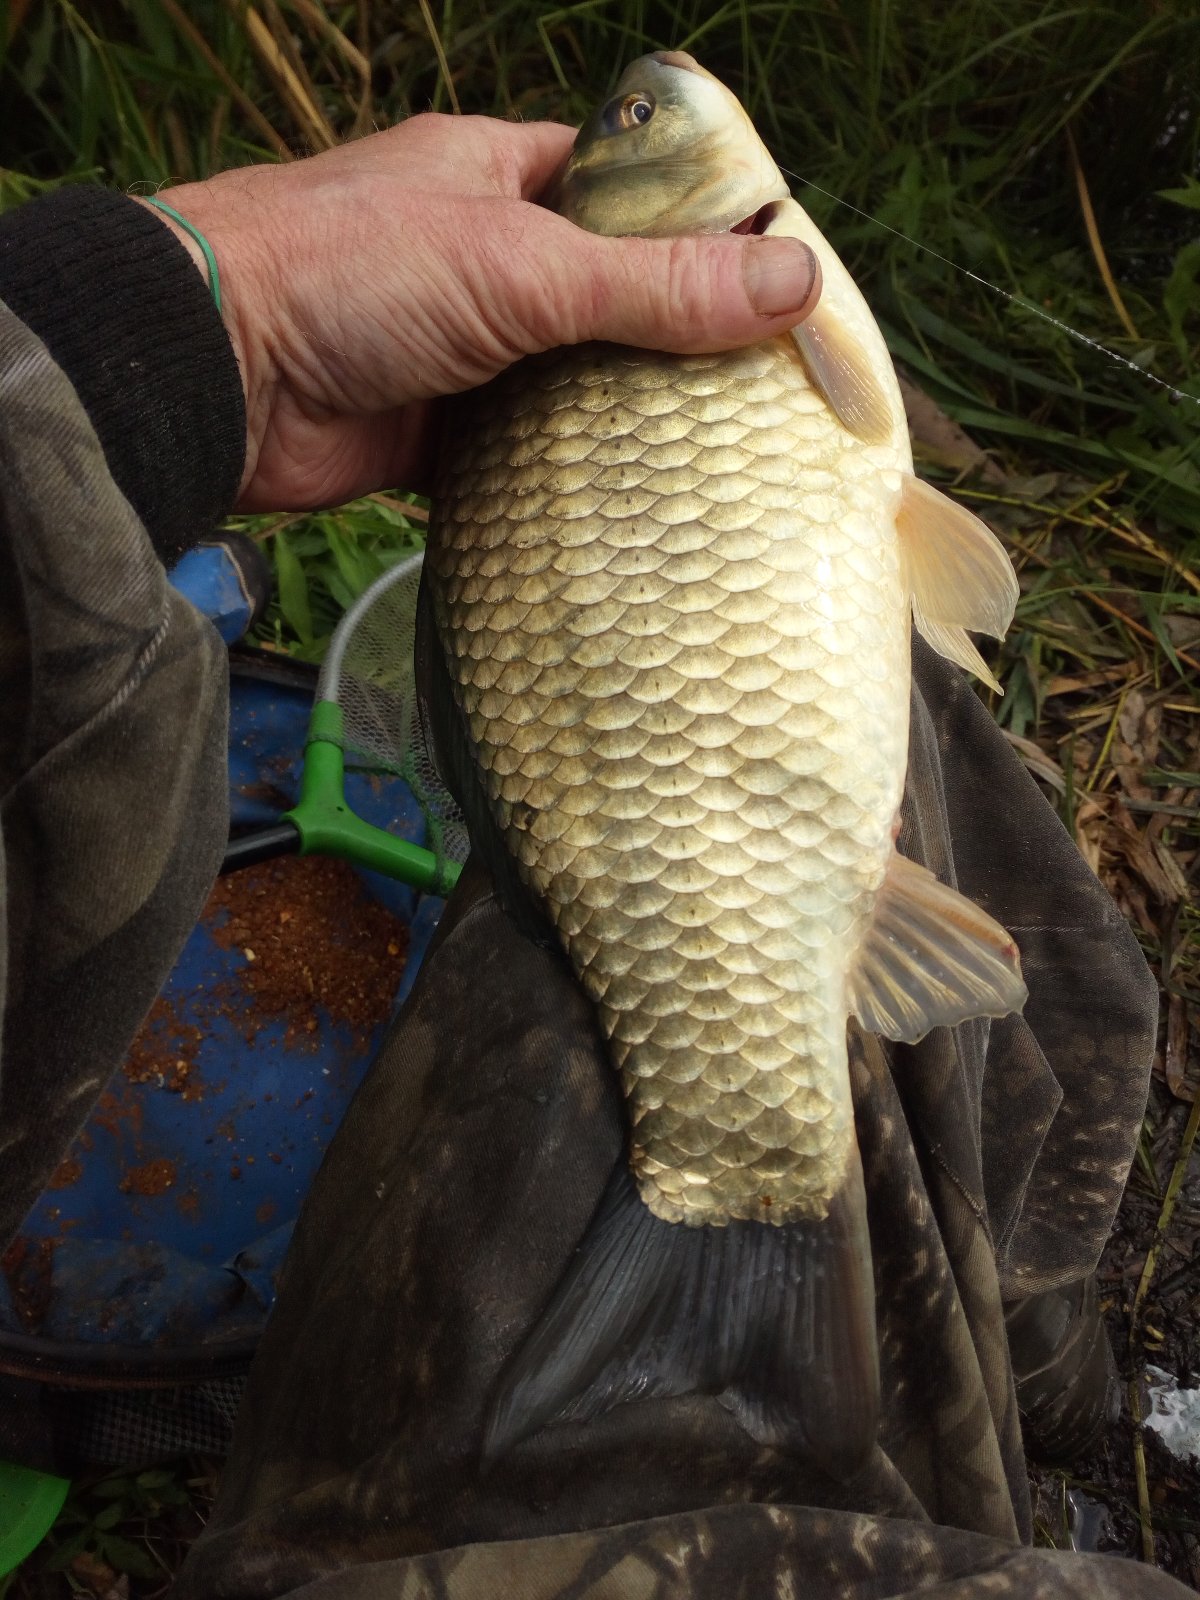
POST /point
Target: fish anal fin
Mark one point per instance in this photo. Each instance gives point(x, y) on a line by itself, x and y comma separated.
point(930, 958)
point(777, 1321)
point(840, 370)
point(958, 573)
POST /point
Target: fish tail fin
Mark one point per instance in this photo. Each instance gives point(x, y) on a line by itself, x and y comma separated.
point(776, 1321)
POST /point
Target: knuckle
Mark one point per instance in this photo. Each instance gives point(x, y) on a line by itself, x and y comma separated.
point(553, 294)
point(502, 165)
point(693, 276)
point(573, 293)
point(426, 126)
point(494, 265)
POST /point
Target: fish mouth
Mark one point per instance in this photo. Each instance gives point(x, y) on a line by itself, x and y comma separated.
point(758, 221)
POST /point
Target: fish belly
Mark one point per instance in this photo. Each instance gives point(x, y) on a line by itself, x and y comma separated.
point(669, 591)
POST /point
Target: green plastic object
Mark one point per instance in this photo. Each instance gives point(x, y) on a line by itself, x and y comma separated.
point(29, 1504)
point(328, 827)
point(366, 718)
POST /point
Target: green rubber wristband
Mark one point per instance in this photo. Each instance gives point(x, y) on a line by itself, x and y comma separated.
point(214, 277)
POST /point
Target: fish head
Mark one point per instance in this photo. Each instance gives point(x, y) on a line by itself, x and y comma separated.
point(672, 152)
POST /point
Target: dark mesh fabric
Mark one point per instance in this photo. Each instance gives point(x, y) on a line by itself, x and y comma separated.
point(134, 1428)
point(465, 1175)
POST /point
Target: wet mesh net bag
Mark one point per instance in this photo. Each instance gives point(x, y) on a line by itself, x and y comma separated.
point(368, 673)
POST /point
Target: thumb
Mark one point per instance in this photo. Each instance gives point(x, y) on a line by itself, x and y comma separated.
point(687, 295)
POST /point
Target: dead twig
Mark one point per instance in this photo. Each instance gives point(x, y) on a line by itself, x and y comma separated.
point(192, 33)
point(1097, 244)
point(413, 513)
point(287, 42)
point(1178, 1173)
point(310, 118)
point(1139, 1470)
point(439, 51)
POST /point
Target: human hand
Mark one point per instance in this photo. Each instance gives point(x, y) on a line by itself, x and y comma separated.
point(361, 284)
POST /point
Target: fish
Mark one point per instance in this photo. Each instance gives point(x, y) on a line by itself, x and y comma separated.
point(673, 599)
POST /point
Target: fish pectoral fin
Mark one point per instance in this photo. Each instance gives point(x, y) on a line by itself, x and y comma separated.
point(841, 371)
point(930, 958)
point(777, 1321)
point(958, 573)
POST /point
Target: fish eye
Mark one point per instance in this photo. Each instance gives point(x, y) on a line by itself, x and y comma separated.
point(631, 111)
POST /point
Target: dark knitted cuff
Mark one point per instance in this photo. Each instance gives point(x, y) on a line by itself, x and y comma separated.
point(118, 302)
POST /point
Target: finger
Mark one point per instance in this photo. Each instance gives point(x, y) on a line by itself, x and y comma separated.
point(696, 293)
point(528, 155)
point(690, 294)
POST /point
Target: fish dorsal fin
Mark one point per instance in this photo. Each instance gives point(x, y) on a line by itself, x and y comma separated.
point(841, 371)
point(958, 573)
point(930, 958)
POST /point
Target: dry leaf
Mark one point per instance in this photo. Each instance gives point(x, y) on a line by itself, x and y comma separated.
point(1175, 1060)
point(1166, 884)
point(939, 438)
point(1072, 684)
point(1090, 827)
point(1172, 871)
point(1042, 766)
point(1139, 725)
point(91, 1570)
point(1183, 629)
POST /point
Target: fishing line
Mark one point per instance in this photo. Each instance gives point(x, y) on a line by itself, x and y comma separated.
point(1174, 395)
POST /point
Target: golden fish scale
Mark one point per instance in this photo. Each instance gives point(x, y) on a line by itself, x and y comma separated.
point(669, 592)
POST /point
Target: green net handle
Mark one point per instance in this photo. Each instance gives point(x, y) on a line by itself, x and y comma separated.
point(328, 827)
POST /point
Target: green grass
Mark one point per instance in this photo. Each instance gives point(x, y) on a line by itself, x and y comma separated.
point(138, 1524)
point(982, 130)
point(964, 127)
point(323, 561)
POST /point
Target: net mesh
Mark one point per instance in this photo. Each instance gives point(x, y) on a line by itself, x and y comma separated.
point(136, 1428)
point(368, 671)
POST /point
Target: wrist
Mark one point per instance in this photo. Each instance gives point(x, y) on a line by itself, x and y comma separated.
point(245, 268)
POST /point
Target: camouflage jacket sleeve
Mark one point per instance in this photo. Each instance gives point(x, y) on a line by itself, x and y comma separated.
point(121, 308)
point(112, 692)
